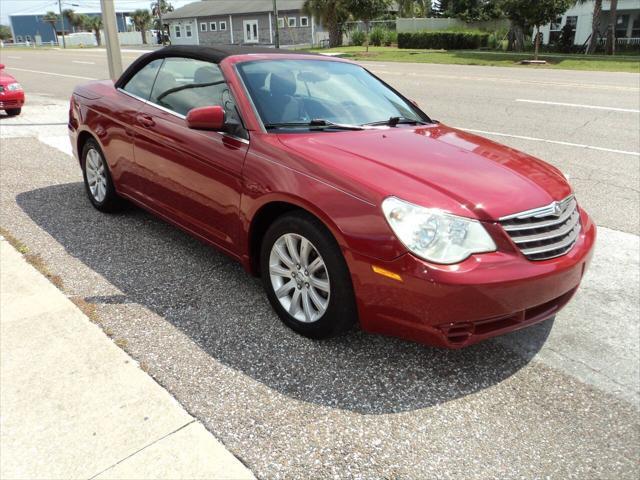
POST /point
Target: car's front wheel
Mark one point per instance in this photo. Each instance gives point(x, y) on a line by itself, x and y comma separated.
point(13, 112)
point(306, 277)
point(97, 179)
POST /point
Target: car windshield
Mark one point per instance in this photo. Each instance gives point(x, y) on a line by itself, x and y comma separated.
point(321, 94)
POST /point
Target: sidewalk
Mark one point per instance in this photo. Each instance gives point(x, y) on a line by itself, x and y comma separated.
point(74, 405)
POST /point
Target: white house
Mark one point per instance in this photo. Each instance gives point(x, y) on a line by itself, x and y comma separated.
point(580, 17)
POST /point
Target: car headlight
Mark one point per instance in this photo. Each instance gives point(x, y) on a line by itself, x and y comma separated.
point(12, 87)
point(434, 235)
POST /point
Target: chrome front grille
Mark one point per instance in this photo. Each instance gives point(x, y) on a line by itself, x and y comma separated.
point(545, 232)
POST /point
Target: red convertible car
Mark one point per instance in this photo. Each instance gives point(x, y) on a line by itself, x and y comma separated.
point(11, 94)
point(348, 200)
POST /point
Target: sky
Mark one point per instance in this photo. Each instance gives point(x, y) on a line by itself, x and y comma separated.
point(8, 7)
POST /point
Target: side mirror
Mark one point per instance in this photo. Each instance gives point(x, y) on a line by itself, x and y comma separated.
point(206, 118)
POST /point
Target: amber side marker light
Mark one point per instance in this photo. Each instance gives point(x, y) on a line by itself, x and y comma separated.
point(386, 273)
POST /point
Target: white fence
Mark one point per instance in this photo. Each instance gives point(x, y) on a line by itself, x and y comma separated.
point(408, 25)
point(88, 39)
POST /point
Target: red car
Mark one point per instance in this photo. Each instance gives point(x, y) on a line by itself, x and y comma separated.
point(348, 200)
point(11, 94)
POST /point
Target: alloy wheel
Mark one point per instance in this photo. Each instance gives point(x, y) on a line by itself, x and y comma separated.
point(96, 175)
point(299, 277)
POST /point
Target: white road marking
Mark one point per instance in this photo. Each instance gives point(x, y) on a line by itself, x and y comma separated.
point(15, 58)
point(84, 63)
point(51, 73)
point(556, 142)
point(578, 105)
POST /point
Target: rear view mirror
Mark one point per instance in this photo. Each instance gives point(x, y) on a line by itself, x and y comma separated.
point(206, 118)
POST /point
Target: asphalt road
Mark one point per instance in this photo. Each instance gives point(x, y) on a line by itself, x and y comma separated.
point(557, 400)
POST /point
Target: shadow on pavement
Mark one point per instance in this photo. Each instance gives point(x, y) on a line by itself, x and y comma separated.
point(212, 300)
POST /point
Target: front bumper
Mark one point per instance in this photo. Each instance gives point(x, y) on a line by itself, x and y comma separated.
point(10, 100)
point(457, 305)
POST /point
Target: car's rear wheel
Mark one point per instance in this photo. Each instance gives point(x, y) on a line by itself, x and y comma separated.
point(306, 277)
point(13, 112)
point(97, 179)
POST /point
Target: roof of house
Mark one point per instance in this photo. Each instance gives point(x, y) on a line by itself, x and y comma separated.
point(207, 8)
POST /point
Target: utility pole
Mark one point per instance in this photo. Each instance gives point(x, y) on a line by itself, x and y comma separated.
point(275, 16)
point(64, 43)
point(114, 57)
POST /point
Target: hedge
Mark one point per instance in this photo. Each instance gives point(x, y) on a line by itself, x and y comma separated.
point(443, 40)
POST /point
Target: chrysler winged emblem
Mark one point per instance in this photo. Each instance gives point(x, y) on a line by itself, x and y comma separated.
point(557, 209)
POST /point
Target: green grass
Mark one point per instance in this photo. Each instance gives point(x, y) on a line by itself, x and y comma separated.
point(620, 63)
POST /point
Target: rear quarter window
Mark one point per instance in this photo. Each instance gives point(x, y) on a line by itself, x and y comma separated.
point(141, 83)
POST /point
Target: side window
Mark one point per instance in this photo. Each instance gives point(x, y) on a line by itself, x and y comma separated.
point(140, 84)
point(187, 30)
point(177, 30)
point(184, 83)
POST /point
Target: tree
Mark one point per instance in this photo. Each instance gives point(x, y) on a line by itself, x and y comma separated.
point(80, 21)
point(158, 7)
point(331, 14)
point(610, 45)
point(535, 14)
point(367, 10)
point(141, 18)
point(69, 15)
point(471, 10)
point(595, 25)
point(52, 19)
point(5, 32)
point(94, 24)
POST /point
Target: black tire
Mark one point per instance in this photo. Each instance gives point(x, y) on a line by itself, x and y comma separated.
point(13, 112)
point(111, 202)
point(341, 312)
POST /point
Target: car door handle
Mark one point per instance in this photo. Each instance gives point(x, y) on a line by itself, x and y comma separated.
point(145, 120)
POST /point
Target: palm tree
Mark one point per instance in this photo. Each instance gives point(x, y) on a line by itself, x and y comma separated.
point(332, 14)
point(157, 9)
point(94, 24)
point(69, 15)
point(141, 18)
point(52, 19)
point(80, 22)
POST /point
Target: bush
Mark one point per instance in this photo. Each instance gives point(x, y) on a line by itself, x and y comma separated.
point(357, 38)
point(376, 37)
point(443, 40)
point(391, 37)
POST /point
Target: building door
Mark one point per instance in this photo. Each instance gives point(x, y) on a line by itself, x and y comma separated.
point(250, 31)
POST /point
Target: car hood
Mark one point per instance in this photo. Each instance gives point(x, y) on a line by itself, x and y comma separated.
point(434, 166)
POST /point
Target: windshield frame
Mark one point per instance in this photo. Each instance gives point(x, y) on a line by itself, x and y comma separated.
point(421, 114)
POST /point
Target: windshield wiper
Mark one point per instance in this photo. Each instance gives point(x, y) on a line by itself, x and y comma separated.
point(315, 124)
point(393, 121)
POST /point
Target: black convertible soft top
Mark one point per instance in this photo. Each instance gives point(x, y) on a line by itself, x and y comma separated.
point(208, 54)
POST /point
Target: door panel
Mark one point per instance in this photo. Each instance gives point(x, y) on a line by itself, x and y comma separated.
point(193, 176)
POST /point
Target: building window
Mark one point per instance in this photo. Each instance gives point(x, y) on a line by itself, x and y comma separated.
point(223, 25)
point(304, 21)
point(203, 27)
point(213, 26)
point(622, 22)
point(19, 39)
point(28, 38)
point(280, 22)
point(187, 30)
point(291, 21)
point(177, 31)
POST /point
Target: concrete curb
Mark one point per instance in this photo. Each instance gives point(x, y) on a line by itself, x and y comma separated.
point(74, 405)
